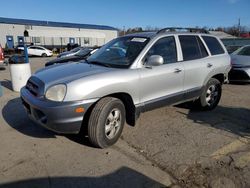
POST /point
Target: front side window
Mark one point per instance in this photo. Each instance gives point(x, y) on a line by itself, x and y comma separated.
point(166, 48)
point(190, 47)
point(120, 52)
point(38, 48)
point(213, 45)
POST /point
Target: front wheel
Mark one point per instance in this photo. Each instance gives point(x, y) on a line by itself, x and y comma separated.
point(106, 122)
point(44, 55)
point(210, 96)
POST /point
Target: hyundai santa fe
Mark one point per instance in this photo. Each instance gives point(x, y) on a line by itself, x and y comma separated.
point(127, 76)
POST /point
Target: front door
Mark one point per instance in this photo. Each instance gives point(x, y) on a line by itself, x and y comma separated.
point(9, 41)
point(20, 40)
point(72, 40)
point(162, 85)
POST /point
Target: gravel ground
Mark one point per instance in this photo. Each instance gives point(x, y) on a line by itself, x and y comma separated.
point(171, 146)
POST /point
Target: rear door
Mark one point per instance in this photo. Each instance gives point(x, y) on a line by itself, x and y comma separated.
point(162, 85)
point(32, 50)
point(40, 51)
point(10, 41)
point(196, 64)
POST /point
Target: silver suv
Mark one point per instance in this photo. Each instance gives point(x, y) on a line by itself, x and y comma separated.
point(129, 75)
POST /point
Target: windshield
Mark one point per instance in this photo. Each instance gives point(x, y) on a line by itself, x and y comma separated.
point(120, 52)
point(245, 51)
point(76, 49)
point(83, 52)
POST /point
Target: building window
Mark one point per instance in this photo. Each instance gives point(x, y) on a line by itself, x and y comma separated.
point(86, 40)
point(36, 39)
point(27, 27)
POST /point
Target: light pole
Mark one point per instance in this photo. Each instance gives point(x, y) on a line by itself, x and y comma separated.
point(239, 27)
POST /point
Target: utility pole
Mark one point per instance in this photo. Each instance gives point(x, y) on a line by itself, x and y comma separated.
point(239, 27)
point(123, 30)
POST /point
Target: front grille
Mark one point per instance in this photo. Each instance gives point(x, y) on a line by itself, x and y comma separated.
point(32, 87)
point(238, 75)
point(35, 86)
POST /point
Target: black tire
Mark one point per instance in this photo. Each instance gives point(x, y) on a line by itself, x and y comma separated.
point(44, 55)
point(99, 122)
point(214, 87)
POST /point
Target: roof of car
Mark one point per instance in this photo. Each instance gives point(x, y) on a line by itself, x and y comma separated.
point(143, 34)
point(153, 34)
point(36, 46)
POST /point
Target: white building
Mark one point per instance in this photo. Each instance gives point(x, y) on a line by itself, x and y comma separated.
point(15, 32)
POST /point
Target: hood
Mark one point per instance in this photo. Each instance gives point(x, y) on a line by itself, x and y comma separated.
point(64, 59)
point(64, 53)
point(240, 61)
point(66, 73)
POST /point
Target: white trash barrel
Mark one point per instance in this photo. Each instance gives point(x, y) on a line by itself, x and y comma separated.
point(20, 73)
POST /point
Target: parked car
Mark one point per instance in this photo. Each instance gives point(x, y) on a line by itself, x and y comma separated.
point(1, 56)
point(80, 55)
point(240, 65)
point(231, 49)
point(39, 51)
point(71, 52)
point(111, 87)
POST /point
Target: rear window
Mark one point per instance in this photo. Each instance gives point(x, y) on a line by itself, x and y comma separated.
point(213, 45)
point(192, 47)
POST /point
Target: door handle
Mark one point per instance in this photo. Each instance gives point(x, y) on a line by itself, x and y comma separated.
point(209, 65)
point(177, 70)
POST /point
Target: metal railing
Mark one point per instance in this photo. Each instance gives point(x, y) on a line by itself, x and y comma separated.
point(182, 29)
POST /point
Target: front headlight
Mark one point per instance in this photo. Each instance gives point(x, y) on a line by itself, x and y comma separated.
point(56, 93)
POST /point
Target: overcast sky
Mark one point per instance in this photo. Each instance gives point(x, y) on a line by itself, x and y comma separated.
point(132, 13)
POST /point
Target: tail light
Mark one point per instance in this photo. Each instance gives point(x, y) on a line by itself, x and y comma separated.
point(1, 53)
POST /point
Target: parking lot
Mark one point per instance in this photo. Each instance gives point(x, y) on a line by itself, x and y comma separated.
point(171, 146)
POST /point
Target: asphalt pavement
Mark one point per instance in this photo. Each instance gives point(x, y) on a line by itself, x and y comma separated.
point(169, 147)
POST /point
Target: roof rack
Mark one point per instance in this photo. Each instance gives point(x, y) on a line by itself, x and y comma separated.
point(181, 29)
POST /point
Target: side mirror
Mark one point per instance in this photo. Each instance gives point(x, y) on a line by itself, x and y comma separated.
point(155, 60)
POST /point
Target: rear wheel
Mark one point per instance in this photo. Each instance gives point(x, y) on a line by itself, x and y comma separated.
point(106, 122)
point(210, 96)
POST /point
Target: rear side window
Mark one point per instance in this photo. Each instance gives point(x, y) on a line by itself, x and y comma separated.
point(213, 45)
point(202, 48)
point(192, 47)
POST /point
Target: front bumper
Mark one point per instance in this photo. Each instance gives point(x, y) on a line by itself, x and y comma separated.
point(59, 117)
point(239, 74)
